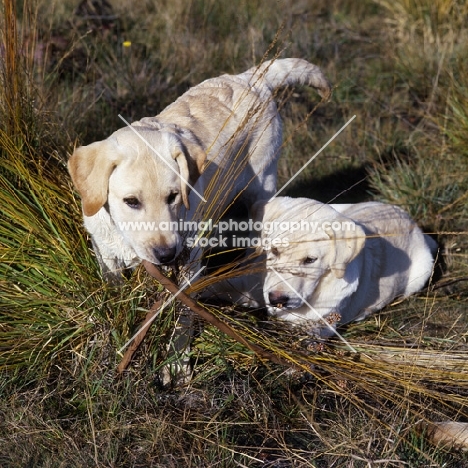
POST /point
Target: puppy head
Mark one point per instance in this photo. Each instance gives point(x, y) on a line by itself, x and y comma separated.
point(304, 240)
point(143, 179)
point(301, 225)
point(91, 166)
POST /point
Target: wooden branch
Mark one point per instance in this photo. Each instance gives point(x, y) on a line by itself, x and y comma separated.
point(206, 315)
point(443, 284)
point(139, 338)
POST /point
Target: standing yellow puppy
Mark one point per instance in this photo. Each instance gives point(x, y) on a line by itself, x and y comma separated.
point(222, 138)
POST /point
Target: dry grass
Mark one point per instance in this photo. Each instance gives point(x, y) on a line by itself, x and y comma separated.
point(396, 65)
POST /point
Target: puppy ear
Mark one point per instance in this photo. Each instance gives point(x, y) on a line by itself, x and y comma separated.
point(181, 161)
point(90, 168)
point(347, 244)
point(190, 158)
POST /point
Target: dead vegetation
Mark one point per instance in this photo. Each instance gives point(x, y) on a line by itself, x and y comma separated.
point(65, 76)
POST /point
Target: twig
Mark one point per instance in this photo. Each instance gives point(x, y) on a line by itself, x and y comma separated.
point(205, 314)
point(443, 284)
point(139, 338)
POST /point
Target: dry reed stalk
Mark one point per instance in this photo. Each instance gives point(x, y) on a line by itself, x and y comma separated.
point(205, 314)
point(11, 76)
point(436, 359)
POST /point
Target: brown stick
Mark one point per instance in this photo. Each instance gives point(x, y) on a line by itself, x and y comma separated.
point(139, 338)
point(205, 314)
point(443, 284)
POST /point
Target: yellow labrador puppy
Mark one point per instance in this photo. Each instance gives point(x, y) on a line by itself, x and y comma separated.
point(218, 142)
point(346, 260)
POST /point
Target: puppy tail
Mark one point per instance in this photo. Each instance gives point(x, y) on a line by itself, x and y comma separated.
point(290, 72)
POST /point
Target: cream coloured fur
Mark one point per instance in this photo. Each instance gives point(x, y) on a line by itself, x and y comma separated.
point(223, 137)
point(351, 271)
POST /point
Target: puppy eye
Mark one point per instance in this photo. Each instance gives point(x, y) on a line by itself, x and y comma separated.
point(274, 251)
point(132, 202)
point(309, 260)
point(172, 198)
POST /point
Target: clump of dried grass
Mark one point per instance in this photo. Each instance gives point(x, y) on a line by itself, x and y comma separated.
point(59, 322)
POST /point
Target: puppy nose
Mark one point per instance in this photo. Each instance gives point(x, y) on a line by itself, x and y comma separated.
point(278, 299)
point(165, 254)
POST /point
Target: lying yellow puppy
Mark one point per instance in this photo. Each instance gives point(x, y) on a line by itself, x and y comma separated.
point(339, 262)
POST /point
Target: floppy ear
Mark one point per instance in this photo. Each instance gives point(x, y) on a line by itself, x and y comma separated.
point(90, 168)
point(190, 164)
point(347, 244)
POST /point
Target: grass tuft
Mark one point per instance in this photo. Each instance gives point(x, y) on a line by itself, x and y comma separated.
point(65, 75)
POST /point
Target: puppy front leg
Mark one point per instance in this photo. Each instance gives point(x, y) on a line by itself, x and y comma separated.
point(177, 371)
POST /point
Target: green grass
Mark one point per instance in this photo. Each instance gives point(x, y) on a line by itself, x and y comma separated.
point(398, 66)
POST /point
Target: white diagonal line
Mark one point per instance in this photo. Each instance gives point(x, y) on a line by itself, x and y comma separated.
point(313, 157)
point(160, 157)
point(314, 311)
point(150, 321)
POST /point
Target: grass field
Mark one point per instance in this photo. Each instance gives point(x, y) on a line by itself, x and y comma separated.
point(65, 75)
